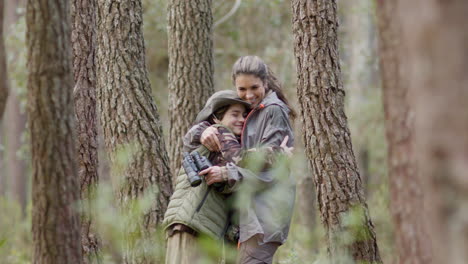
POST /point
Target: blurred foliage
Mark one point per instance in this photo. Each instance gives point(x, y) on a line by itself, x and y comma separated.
point(257, 27)
point(15, 233)
point(120, 228)
point(15, 44)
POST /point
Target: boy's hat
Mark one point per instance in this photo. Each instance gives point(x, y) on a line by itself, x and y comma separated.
point(218, 100)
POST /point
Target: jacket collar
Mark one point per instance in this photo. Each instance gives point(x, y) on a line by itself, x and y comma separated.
point(271, 98)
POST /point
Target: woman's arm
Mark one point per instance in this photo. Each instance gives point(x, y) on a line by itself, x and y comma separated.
point(192, 139)
point(276, 129)
point(209, 139)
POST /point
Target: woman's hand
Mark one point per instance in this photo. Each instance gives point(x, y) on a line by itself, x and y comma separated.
point(209, 139)
point(288, 151)
point(212, 175)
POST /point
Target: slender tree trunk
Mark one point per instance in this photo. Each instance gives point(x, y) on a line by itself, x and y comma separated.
point(320, 91)
point(3, 69)
point(83, 42)
point(2, 164)
point(407, 195)
point(129, 116)
point(3, 97)
point(358, 44)
point(55, 219)
point(15, 164)
point(12, 168)
point(436, 38)
point(190, 68)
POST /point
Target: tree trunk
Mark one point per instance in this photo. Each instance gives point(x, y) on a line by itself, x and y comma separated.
point(306, 202)
point(190, 68)
point(3, 97)
point(358, 43)
point(12, 168)
point(3, 69)
point(326, 135)
point(15, 165)
point(3, 175)
point(55, 192)
point(407, 195)
point(436, 38)
point(128, 115)
point(83, 42)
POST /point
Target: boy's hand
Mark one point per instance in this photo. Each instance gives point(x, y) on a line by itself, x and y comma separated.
point(213, 174)
point(209, 138)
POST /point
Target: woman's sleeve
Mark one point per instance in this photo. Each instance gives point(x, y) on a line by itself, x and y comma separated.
point(192, 138)
point(277, 127)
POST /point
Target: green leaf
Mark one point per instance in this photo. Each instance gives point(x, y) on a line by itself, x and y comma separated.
point(2, 242)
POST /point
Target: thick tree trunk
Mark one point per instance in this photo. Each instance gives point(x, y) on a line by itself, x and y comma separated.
point(55, 192)
point(83, 42)
point(326, 134)
point(407, 195)
point(3, 69)
point(436, 38)
point(128, 115)
point(190, 68)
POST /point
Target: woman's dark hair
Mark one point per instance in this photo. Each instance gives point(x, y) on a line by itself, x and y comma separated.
point(253, 65)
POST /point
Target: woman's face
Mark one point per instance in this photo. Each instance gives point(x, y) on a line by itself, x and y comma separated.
point(234, 118)
point(250, 88)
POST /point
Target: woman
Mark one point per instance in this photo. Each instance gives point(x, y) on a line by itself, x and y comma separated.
point(201, 210)
point(265, 221)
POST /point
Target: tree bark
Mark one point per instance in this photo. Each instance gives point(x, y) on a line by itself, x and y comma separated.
point(326, 135)
point(55, 192)
point(436, 38)
point(3, 69)
point(407, 194)
point(83, 42)
point(190, 68)
point(128, 115)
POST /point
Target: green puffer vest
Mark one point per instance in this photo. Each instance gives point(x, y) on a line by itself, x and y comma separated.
point(189, 206)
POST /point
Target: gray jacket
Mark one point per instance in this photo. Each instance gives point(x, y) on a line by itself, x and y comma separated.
point(270, 209)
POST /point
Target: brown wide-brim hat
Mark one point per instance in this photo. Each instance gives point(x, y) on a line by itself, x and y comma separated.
point(218, 100)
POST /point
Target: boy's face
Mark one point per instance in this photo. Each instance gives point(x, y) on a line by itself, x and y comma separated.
point(234, 118)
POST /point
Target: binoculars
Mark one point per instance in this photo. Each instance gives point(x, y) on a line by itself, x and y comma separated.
point(194, 163)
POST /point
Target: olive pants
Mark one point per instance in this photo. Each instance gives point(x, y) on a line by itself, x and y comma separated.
point(182, 248)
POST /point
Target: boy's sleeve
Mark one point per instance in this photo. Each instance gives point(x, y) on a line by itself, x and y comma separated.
point(192, 138)
point(231, 149)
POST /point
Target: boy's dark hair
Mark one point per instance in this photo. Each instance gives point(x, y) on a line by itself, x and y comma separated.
point(218, 114)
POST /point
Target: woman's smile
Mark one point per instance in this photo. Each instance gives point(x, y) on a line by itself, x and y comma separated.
point(250, 88)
